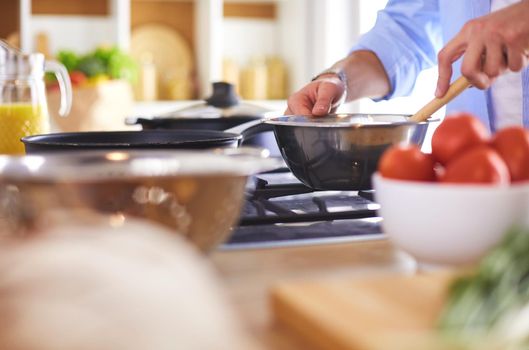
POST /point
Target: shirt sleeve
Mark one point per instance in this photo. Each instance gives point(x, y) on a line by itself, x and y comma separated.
point(406, 38)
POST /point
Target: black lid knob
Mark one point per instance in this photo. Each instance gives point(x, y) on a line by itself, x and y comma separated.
point(223, 96)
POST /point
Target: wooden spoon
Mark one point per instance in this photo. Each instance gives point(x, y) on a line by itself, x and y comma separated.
point(434, 105)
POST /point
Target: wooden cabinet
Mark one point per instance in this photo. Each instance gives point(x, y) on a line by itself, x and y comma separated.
point(303, 31)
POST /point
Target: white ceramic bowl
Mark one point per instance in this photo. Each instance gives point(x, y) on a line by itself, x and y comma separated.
point(448, 224)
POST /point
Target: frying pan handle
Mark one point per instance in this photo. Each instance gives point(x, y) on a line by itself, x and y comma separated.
point(251, 128)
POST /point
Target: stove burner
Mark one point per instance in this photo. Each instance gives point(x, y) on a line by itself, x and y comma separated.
point(280, 209)
point(291, 201)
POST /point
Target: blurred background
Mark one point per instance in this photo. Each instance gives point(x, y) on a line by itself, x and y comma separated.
point(267, 48)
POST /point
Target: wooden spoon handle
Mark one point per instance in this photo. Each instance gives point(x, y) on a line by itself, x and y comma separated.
point(434, 105)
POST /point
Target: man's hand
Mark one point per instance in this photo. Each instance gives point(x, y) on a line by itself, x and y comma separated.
point(490, 44)
point(364, 75)
point(318, 98)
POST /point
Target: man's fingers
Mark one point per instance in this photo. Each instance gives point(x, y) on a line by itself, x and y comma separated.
point(327, 94)
point(448, 55)
point(315, 99)
point(472, 66)
point(298, 106)
point(515, 60)
point(443, 81)
point(495, 59)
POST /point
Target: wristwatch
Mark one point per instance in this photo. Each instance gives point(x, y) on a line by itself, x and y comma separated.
point(336, 71)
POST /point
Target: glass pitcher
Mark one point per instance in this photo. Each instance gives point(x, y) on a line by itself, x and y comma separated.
point(23, 106)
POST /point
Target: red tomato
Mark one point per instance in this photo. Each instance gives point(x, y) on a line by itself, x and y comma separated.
point(407, 163)
point(53, 86)
point(77, 77)
point(512, 145)
point(481, 164)
point(456, 134)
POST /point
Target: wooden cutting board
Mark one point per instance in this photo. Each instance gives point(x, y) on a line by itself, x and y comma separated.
point(382, 313)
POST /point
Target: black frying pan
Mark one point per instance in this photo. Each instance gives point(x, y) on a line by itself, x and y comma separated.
point(146, 139)
point(177, 139)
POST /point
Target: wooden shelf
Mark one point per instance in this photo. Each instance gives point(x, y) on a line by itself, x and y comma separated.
point(10, 18)
point(242, 9)
point(259, 10)
point(199, 22)
point(70, 7)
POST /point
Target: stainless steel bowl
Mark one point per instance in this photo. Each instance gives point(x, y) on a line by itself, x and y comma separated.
point(197, 194)
point(341, 151)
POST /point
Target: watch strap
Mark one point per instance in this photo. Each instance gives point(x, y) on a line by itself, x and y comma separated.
point(338, 72)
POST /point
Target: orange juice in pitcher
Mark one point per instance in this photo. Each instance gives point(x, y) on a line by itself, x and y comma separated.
point(23, 107)
point(20, 120)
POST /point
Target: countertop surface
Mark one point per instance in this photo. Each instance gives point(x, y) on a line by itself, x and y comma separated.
point(248, 276)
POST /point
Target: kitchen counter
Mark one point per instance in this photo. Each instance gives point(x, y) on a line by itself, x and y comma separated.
point(248, 276)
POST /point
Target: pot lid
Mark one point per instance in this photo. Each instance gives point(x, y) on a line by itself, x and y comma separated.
point(342, 120)
point(224, 102)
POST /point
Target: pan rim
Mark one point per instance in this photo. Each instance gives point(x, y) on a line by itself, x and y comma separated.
point(133, 164)
point(276, 121)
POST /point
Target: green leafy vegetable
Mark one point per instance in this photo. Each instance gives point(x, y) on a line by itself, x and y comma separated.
point(109, 61)
point(91, 66)
point(484, 303)
point(69, 59)
point(122, 66)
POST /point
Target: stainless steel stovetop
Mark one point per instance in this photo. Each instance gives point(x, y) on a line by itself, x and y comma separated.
point(281, 211)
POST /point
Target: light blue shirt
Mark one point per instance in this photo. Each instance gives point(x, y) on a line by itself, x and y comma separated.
point(408, 35)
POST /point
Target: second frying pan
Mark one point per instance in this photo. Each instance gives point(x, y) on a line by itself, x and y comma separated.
point(147, 139)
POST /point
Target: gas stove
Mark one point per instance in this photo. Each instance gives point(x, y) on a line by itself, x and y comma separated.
point(281, 211)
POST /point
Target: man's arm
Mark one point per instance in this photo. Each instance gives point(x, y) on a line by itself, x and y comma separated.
point(366, 76)
point(385, 63)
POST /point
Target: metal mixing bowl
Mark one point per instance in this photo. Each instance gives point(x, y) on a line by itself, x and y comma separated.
point(197, 194)
point(341, 151)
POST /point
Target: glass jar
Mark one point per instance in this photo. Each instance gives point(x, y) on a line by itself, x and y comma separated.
point(23, 105)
